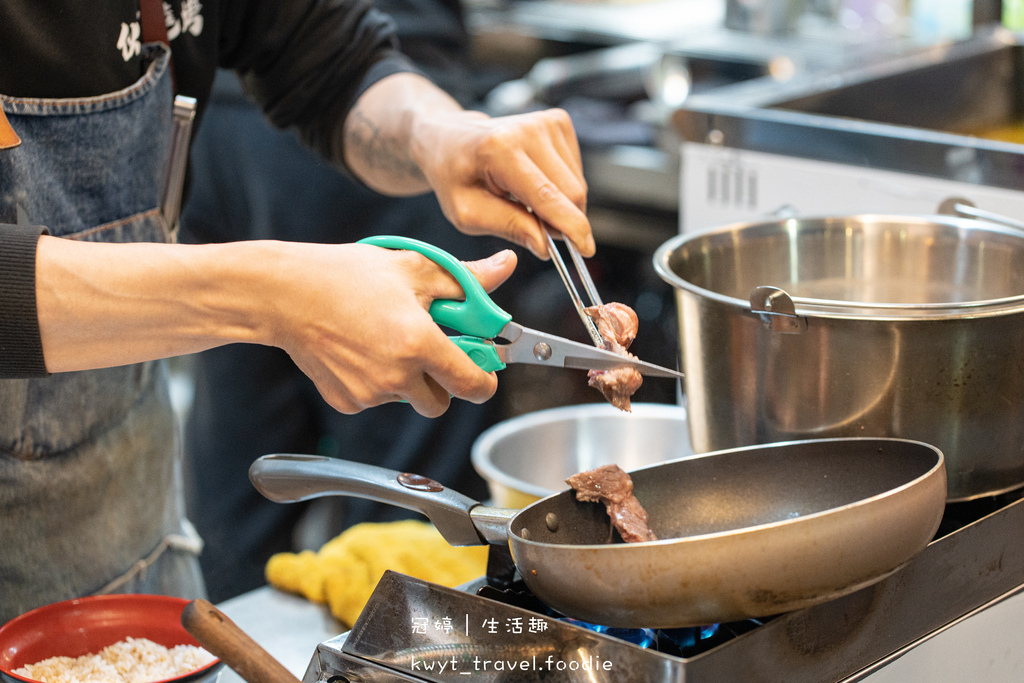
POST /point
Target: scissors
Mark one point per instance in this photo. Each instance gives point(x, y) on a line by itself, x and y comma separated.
point(481, 322)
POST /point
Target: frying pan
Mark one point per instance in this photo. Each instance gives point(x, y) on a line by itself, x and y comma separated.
point(745, 532)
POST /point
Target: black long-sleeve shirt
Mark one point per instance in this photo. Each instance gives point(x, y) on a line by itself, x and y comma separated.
point(304, 61)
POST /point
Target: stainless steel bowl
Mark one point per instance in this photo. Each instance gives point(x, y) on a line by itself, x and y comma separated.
point(529, 457)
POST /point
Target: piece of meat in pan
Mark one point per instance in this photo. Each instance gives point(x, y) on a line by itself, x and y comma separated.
point(618, 325)
point(610, 485)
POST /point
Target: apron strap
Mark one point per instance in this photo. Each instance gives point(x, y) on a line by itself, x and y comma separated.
point(154, 28)
point(188, 541)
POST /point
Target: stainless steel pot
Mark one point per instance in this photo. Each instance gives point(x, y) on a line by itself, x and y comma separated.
point(900, 326)
point(528, 457)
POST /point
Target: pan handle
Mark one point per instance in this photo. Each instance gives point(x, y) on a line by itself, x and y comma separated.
point(289, 478)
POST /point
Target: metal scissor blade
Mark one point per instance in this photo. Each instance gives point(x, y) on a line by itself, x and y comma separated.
point(604, 363)
point(540, 348)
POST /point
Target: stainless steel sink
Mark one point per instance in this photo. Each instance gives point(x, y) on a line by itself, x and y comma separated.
point(918, 113)
point(963, 91)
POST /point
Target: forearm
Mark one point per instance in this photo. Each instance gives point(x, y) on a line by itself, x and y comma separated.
point(380, 132)
point(101, 305)
point(353, 317)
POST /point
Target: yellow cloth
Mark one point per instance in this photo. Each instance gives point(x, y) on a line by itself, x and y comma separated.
point(346, 569)
point(1013, 132)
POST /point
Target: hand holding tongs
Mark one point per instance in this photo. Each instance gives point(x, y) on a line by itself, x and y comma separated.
point(482, 321)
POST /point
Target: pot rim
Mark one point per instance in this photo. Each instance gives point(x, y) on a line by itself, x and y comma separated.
point(829, 308)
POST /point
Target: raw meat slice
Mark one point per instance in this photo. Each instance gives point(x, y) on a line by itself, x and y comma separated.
point(618, 325)
point(610, 485)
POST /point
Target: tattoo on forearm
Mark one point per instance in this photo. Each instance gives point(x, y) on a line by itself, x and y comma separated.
point(364, 139)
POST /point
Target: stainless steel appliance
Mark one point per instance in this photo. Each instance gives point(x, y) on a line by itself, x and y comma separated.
point(951, 614)
point(897, 135)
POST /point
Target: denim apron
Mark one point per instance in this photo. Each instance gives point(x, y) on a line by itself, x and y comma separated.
point(90, 473)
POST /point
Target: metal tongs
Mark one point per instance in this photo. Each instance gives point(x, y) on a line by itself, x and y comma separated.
point(588, 285)
point(595, 299)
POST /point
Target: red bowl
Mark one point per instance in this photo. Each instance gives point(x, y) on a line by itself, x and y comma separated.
point(87, 625)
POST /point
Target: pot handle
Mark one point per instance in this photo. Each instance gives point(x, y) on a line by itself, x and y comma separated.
point(777, 311)
point(290, 478)
point(964, 208)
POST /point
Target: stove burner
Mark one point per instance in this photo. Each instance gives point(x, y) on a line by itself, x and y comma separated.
point(641, 637)
point(679, 642)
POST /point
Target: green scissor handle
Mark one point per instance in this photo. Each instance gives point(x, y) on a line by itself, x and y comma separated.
point(478, 317)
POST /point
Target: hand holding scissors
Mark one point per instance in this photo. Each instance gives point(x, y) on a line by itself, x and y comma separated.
point(492, 339)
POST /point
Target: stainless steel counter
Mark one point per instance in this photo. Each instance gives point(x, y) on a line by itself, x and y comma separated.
point(286, 626)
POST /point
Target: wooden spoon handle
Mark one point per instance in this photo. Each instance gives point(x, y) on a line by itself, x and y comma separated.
point(222, 637)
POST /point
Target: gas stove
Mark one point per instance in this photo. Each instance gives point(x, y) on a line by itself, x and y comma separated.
point(494, 630)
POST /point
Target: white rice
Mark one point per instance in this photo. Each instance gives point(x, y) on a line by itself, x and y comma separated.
point(133, 660)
